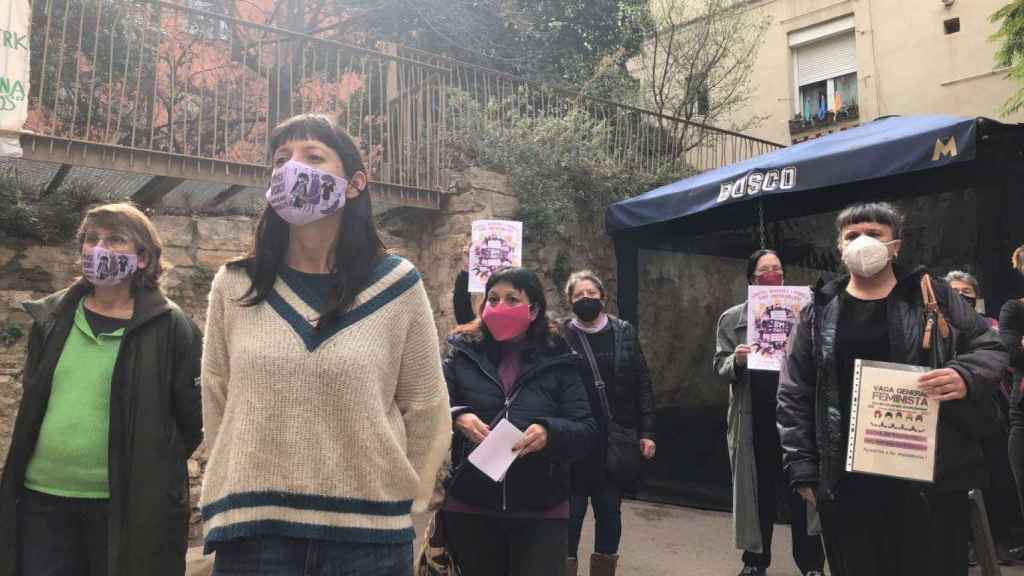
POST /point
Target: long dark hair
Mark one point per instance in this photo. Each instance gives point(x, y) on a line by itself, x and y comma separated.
point(754, 259)
point(359, 246)
point(542, 334)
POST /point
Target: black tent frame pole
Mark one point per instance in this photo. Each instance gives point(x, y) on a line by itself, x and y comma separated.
point(627, 260)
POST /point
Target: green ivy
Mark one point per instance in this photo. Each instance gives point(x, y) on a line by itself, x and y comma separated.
point(52, 219)
point(200, 279)
point(560, 166)
point(10, 333)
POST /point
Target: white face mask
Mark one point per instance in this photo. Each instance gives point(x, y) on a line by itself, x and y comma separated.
point(866, 256)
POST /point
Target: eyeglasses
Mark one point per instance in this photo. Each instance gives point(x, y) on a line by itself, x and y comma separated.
point(111, 241)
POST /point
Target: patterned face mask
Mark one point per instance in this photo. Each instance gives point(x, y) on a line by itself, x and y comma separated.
point(104, 267)
point(301, 194)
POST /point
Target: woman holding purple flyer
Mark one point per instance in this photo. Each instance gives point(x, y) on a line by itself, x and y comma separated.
point(754, 447)
point(95, 481)
point(324, 402)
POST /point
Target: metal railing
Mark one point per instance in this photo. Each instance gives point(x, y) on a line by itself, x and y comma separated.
point(195, 86)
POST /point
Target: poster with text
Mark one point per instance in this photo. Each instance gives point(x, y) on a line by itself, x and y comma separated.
point(893, 424)
point(495, 244)
point(772, 312)
point(15, 22)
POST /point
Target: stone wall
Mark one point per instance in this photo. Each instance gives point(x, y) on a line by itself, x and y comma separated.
point(681, 296)
point(196, 247)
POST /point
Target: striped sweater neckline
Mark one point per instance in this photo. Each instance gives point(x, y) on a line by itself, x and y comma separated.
point(300, 306)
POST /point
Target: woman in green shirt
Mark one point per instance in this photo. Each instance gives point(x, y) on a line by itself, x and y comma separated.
point(95, 480)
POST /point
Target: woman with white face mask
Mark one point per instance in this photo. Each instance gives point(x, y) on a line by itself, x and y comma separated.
point(872, 524)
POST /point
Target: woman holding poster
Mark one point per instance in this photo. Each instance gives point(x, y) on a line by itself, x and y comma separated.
point(754, 448)
point(881, 524)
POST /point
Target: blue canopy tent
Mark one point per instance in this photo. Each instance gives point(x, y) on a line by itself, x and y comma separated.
point(958, 178)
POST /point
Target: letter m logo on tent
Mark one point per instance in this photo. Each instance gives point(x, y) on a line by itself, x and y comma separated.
point(947, 148)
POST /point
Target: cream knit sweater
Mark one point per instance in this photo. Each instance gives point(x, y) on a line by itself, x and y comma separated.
point(330, 436)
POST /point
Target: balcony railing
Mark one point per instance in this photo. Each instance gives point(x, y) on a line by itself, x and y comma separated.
point(200, 90)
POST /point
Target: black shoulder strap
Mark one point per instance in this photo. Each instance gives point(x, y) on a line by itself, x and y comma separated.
point(598, 381)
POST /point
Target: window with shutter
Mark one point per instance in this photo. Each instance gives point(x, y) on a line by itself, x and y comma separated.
point(825, 72)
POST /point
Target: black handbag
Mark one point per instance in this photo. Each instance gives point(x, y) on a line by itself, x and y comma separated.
point(624, 460)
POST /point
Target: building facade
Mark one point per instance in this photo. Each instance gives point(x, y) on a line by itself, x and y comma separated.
point(827, 65)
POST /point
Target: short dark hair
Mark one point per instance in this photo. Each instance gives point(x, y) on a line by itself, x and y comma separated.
point(877, 212)
point(754, 258)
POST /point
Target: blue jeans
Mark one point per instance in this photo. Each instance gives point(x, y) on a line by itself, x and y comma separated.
point(278, 556)
point(607, 503)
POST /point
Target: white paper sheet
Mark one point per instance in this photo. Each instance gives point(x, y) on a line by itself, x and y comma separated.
point(494, 455)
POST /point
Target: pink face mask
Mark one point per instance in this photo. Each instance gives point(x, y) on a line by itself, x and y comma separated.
point(104, 267)
point(769, 279)
point(301, 194)
point(507, 322)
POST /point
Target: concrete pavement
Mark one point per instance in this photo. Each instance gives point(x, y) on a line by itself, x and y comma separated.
point(662, 540)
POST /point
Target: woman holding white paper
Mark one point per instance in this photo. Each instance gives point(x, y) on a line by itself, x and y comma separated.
point(754, 449)
point(875, 524)
point(512, 365)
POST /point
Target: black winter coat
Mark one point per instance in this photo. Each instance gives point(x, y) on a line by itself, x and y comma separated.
point(1011, 330)
point(630, 397)
point(809, 411)
point(550, 393)
point(155, 424)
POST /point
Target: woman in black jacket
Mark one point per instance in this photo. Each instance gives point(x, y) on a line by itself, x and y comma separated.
point(623, 370)
point(1011, 331)
point(95, 481)
point(872, 524)
point(511, 364)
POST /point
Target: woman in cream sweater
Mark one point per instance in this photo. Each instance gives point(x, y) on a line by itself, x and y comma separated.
point(324, 404)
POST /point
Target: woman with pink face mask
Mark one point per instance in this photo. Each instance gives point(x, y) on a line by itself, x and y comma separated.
point(95, 480)
point(512, 365)
point(754, 448)
point(876, 524)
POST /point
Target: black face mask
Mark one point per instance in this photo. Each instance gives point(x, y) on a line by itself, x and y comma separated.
point(587, 309)
point(972, 301)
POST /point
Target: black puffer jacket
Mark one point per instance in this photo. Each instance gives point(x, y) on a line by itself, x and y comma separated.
point(809, 411)
point(630, 397)
point(550, 393)
point(1011, 330)
point(155, 424)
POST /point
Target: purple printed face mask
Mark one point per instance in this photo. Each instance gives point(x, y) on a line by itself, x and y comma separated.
point(301, 194)
point(104, 267)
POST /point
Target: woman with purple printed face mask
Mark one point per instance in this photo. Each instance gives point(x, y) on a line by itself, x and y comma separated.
point(95, 479)
point(325, 408)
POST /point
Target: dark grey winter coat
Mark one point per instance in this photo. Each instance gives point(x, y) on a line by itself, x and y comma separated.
point(155, 424)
